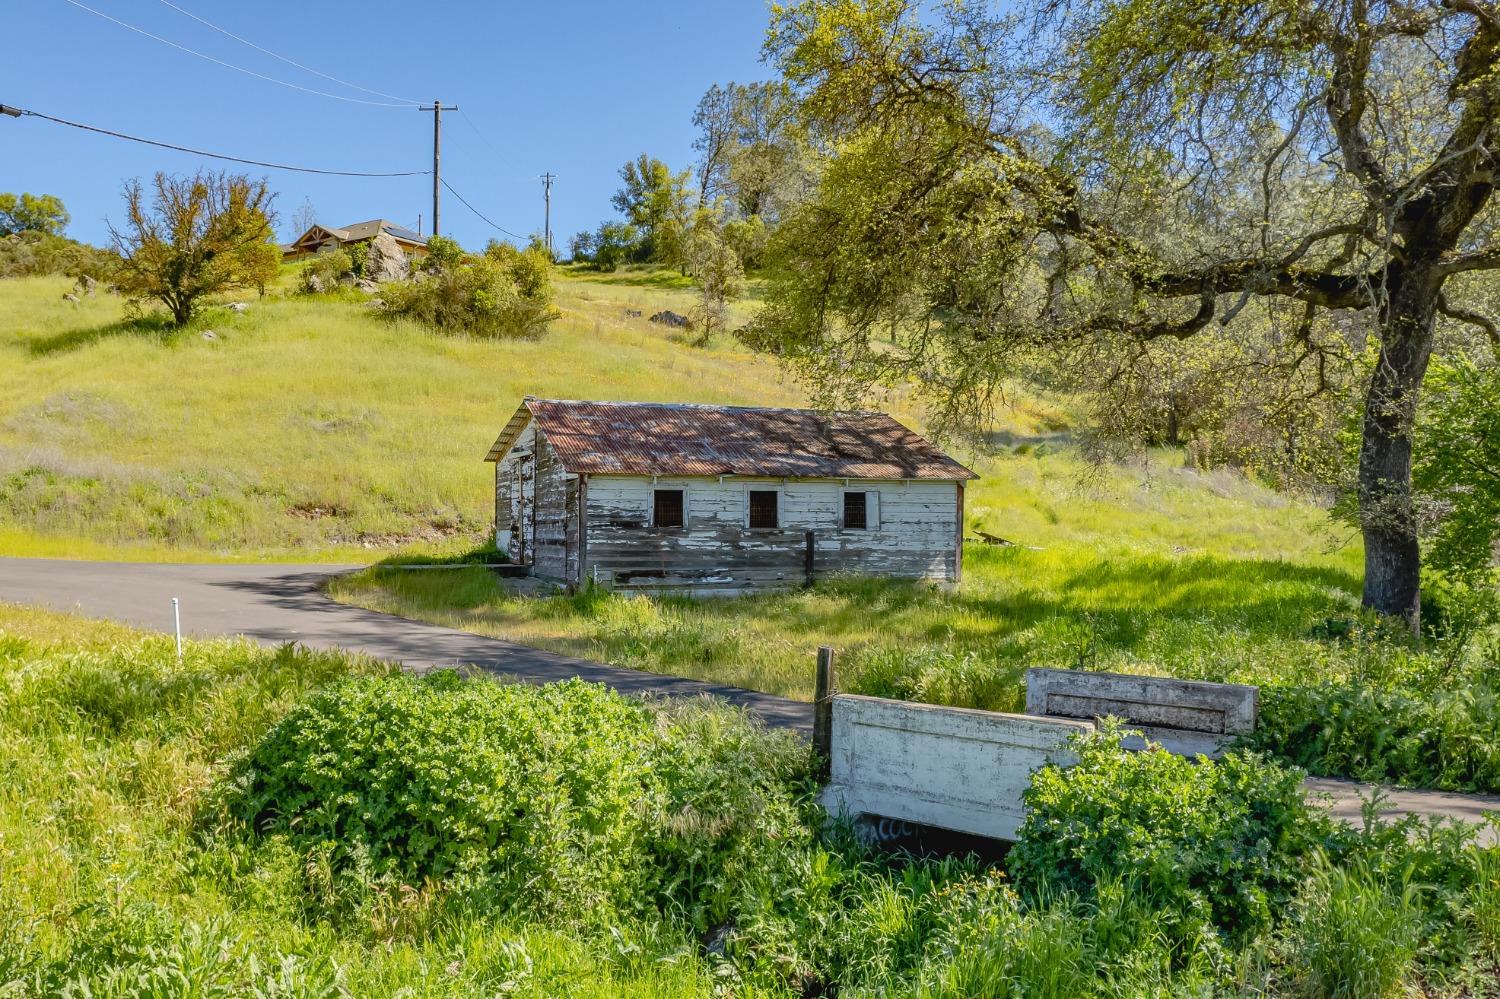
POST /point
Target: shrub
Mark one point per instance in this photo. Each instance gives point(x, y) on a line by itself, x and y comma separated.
point(1444, 735)
point(323, 272)
point(535, 791)
point(503, 293)
point(28, 254)
point(566, 800)
point(1202, 842)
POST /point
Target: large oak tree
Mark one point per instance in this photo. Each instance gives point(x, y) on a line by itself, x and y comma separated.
point(1097, 176)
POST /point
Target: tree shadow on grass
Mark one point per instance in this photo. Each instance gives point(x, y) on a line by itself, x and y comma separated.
point(1120, 601)
point(153, 327)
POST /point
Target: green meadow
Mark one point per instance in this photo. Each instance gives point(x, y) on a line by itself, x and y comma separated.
point(305, 428)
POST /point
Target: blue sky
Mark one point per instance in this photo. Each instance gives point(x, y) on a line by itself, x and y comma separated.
point(576, 88)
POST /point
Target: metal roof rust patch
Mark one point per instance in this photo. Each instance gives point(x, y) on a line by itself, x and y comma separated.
point(647, 438)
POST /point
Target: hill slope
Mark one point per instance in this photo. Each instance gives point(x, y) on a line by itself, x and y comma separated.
point(307, 428)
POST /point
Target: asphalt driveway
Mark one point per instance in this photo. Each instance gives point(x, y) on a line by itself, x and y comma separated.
point(274, 604)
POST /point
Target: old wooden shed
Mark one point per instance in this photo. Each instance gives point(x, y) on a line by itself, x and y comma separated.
point(722, 499)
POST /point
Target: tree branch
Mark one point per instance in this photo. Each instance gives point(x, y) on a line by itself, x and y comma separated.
point(1487, 259)
point(1472, 318)
point(1346, 102)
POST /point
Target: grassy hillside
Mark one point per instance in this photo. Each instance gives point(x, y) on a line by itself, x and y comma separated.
point(305, 428)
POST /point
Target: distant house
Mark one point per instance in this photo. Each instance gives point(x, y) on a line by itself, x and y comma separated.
point(320, 238)
point(722, 499)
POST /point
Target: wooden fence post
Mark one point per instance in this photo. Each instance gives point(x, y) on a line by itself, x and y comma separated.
point(823, 712)
point(809, 541)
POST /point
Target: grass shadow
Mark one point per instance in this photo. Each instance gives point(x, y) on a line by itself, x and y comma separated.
point(482, 554)
point(154, 327)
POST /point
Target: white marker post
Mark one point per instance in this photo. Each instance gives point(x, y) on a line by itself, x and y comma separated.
point(177, 627)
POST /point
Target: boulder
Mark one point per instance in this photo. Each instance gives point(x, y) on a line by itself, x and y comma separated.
point(632, 313)
point(68, 296)
point(238, 306)
point(669, 318)
point(86, 284)
point(385, 260)
point(209, 335)
point(367, 286)
point(313, 283)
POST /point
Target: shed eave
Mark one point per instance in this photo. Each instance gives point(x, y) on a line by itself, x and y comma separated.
point(509, 435)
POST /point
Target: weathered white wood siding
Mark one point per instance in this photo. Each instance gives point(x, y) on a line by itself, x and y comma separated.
point(550, 521)
point(915, 536)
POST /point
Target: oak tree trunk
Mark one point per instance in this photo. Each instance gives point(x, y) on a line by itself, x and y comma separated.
point(1387, 510)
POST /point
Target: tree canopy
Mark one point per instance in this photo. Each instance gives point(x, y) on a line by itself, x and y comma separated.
point(194, 236)
point(43, 213)
point(1104, 181)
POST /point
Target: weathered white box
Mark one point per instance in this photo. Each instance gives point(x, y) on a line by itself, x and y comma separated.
point(954, 768)
point(1187, 717)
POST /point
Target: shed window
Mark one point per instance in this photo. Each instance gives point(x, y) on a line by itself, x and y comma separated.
point(763, 508)
point(856, 512)
point(667, 510)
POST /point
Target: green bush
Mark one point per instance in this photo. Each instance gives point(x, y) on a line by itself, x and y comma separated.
point(566, 799)
point(535, 791)
point(28, 254)
point(497, 294)
point(1223, 843)
point(324, 271)
point(1444, 734)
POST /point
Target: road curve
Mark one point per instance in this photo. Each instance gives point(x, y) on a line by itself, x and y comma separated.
point(274, 604)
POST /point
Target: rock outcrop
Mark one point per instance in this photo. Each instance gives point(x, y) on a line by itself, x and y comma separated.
point(669, 318)
point(385, 260)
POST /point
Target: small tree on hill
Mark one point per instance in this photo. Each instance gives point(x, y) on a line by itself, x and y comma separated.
point(719, 275)
point(42, 213)
point(194, 236)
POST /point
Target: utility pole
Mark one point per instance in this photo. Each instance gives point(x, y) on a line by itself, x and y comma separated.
point(547, 179)
point(437, 110)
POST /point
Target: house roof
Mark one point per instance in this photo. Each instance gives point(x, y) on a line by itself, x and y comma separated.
point(648, 438)
point(366, 230)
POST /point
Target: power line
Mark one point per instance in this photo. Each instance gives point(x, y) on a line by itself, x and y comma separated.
point(230, 65)
point(216, 156)
point(483, 138)
point(476, 211)
point(289, 62)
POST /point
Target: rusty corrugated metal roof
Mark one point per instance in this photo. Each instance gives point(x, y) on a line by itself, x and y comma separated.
point(648, 438)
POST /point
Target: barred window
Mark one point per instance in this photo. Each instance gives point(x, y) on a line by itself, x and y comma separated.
point(763, 508)
point(856, 511)
point(667, 511)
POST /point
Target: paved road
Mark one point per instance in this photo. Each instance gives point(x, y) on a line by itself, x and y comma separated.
point(285, 603)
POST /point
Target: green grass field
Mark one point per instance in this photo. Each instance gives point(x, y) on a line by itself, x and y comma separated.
point(307, 428)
